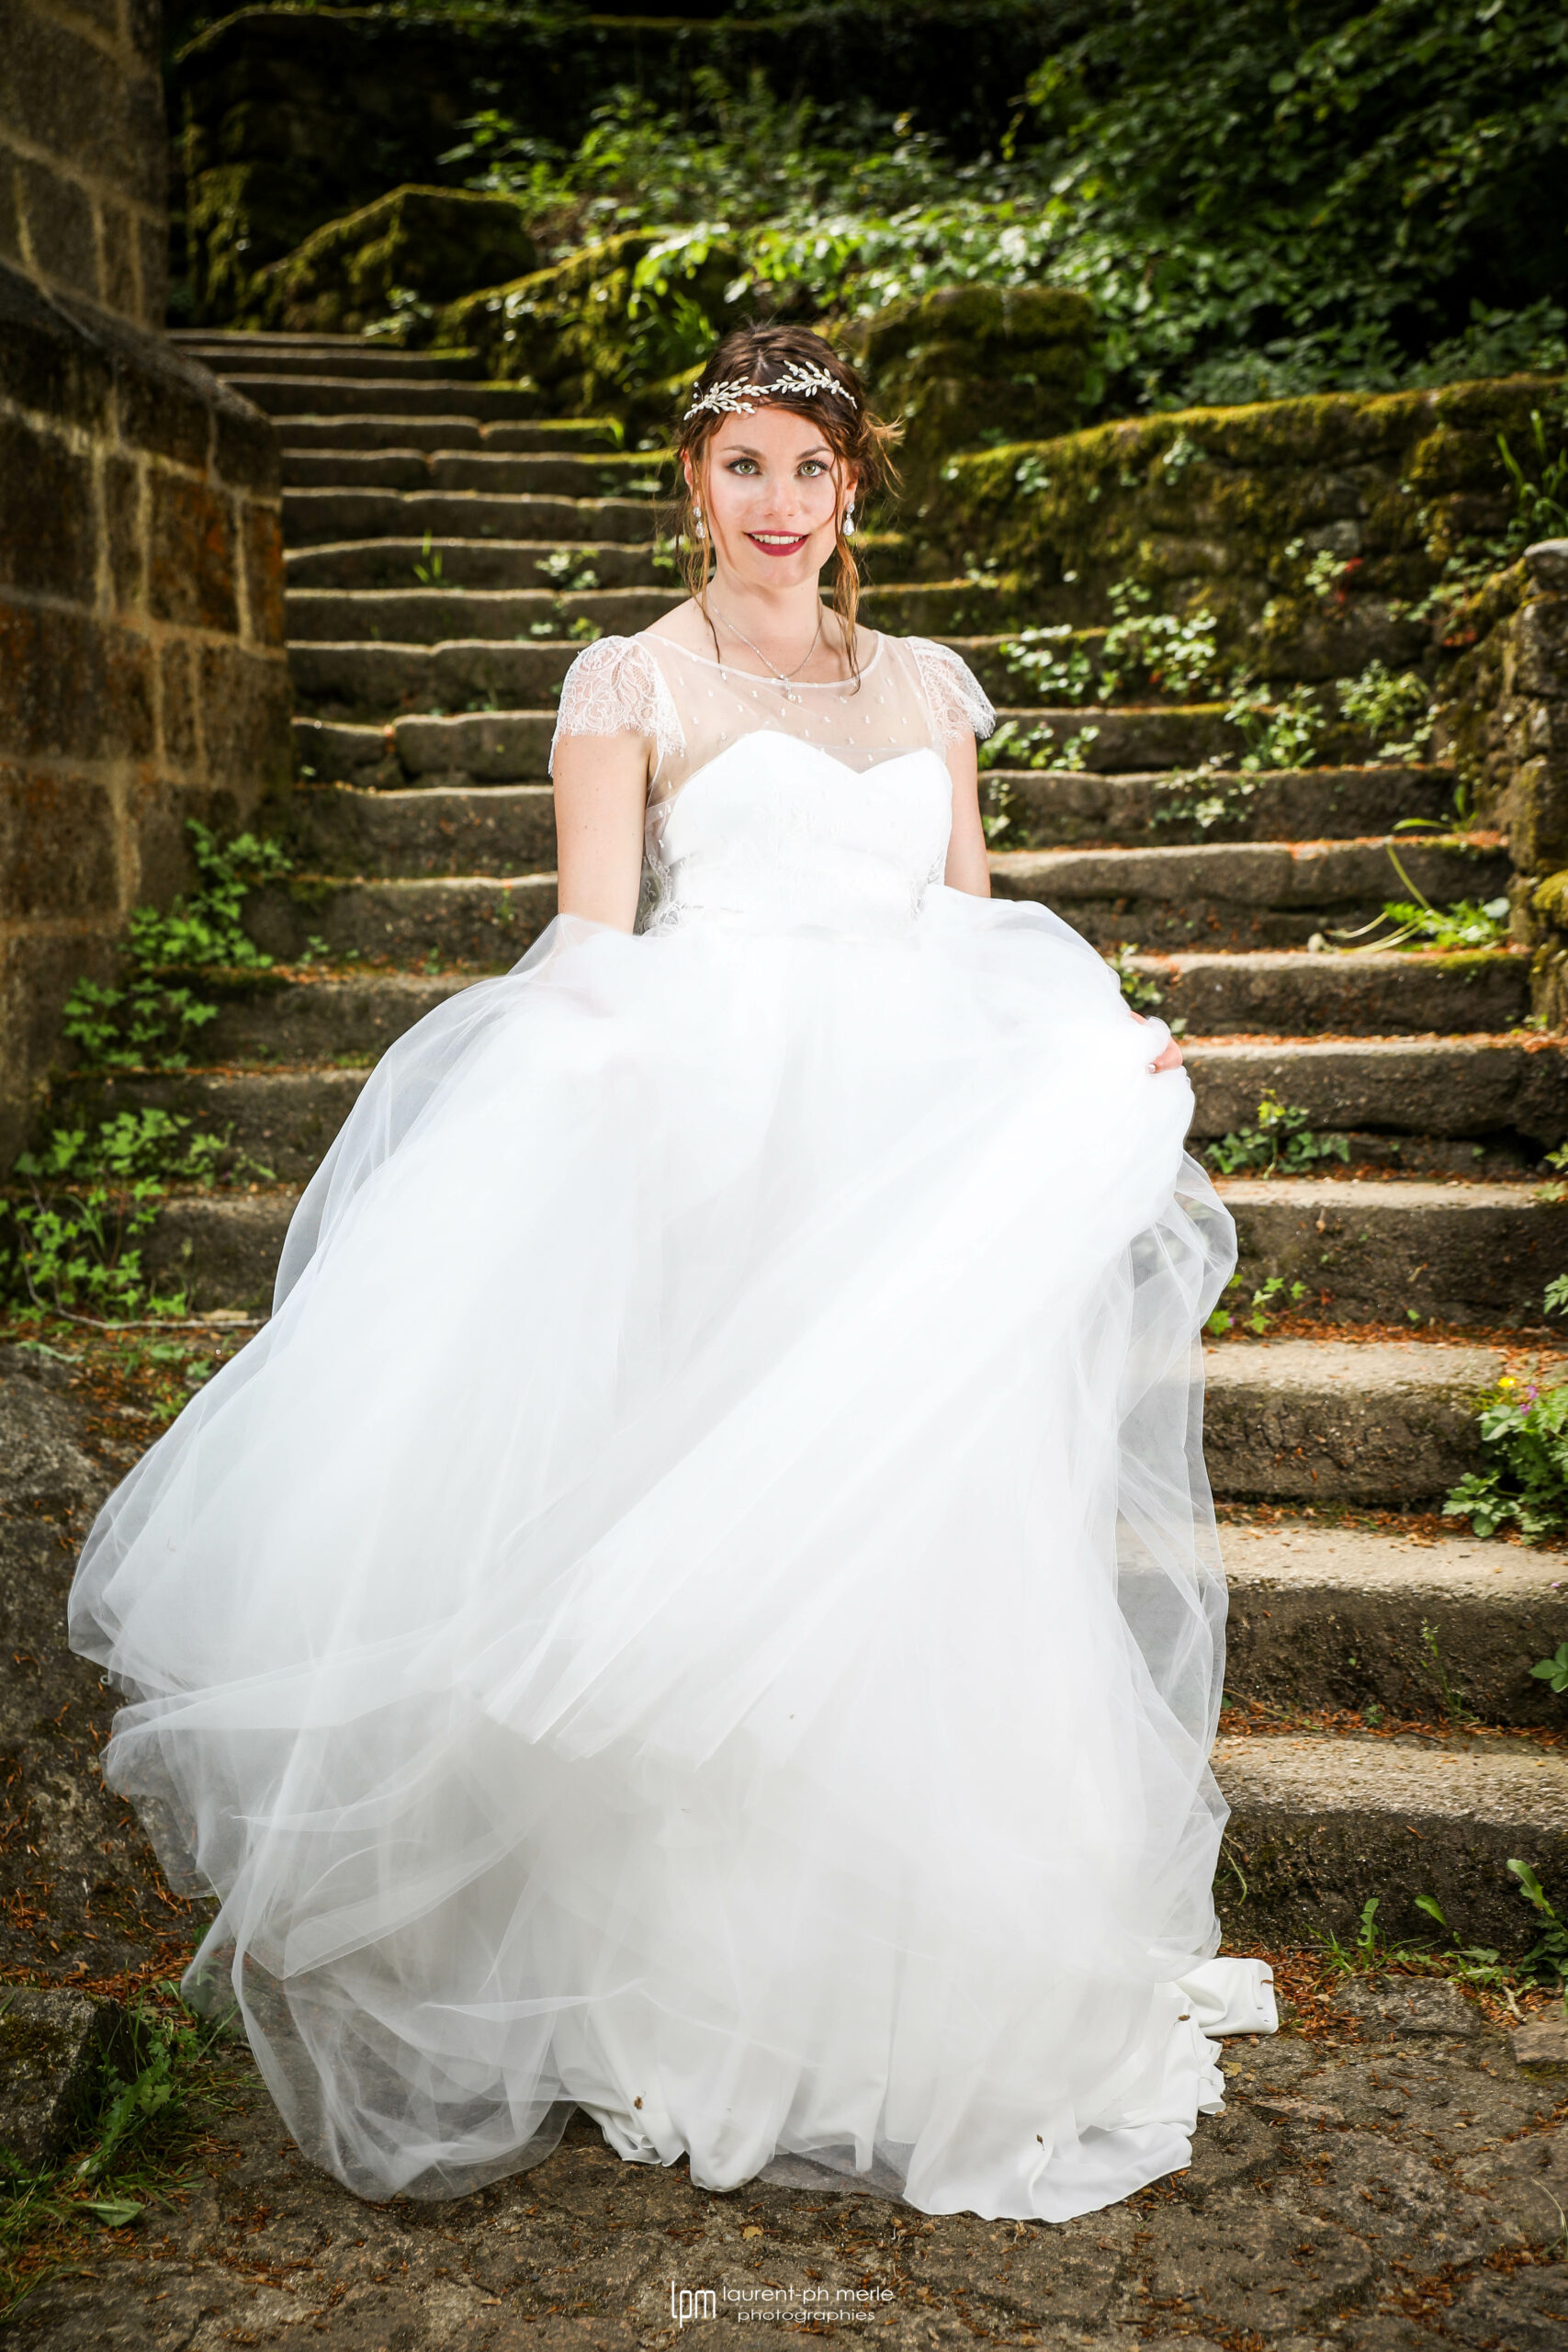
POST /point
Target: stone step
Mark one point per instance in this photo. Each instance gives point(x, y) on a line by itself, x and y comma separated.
point(348, 1017)
point(1320, 1825)
point(550, 474)
point(312, 516)
point(1337, 1616)
point(414, 614)
point(1136, 739)
point(510, 566)
point(1060, 809)
point(357, 434)
point(282, 393)
point(471, 920)
point(1284, 992)
point(1242, 895)
point(1386, 1422)
point(1454, 1086)
point(369, 681)
point(495, 828)
point(1381, 1252)
point(227, 352)
point(492, 748)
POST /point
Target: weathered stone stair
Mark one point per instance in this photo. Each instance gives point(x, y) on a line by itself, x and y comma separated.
point(447, 553)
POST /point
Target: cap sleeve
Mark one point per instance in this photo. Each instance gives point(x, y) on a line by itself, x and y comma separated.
point(616, 687)
point(959, 704)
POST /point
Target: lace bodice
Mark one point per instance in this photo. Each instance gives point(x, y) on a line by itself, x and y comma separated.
point(775, 828)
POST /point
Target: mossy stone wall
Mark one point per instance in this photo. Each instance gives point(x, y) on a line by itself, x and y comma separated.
point(429, 244)
point(1229, 508)
point(971, 365)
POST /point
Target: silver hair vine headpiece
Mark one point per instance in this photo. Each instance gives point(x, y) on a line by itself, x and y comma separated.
point(798, 379)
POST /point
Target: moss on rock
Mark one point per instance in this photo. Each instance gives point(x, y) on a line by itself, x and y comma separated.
point(608, 332)
point(1308, 526)
point(427, 245)
point(971, 364)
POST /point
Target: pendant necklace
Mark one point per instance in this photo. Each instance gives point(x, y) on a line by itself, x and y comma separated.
point(780, 678)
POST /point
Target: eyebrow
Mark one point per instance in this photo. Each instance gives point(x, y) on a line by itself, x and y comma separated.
point(744, 449)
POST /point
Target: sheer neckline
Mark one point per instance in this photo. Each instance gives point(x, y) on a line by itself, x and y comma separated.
point(798, 685)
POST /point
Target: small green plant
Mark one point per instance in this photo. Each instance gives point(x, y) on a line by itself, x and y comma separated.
point(1541, 499)
point(1204, 796)
point(428, 573)
point(1157, 653)
point(1382, 702)
point(995, 819)
point(1031, 477)
point(1271, 1299)
point(1287, 733)
point(1280, 1143)
point(1181, 453)
point(1014, 746)
point(1056, 666)
point(572, 574)
point(1556, 1291)
point(155, 2088)
point(1524, 1429)
point(1467, 923)
point(1547, 1961)
point(149, 1021)
point(1142, 993)
point(1553, 1670)
point(1448, 1691)
point(89, 1200)
point(1368, 1951)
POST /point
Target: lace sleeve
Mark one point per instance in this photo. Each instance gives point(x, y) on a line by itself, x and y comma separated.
point(614, 687)
point(959, 704)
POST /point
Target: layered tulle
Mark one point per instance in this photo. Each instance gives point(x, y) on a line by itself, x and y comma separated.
point(703, 1603)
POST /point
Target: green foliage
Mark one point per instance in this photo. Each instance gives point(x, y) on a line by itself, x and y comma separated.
point(1554, 1670)
point(1467, 923)
point(1547, 1961)
point(1539, 484)
point(150, 2093)
point(1383, 702)
point(1138, 989)
point(1155, 653)
point(1524, 1429)
point(1285, 733)
point(1280, 1143)
point(149, 1021)
point(1259, 201)
point(1272, 1298)
point(89, 1199)
point(1015, 746)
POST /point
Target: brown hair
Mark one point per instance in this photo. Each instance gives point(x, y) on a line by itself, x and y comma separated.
point(758, 354)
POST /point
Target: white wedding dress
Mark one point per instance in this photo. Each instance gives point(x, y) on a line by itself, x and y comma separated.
point(703, 1603)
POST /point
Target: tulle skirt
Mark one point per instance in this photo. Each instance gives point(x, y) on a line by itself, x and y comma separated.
point(703, 1603)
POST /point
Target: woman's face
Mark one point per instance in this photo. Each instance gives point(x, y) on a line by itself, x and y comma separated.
point(771, 489)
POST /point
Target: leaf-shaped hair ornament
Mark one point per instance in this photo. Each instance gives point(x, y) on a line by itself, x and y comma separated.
point(739, 396)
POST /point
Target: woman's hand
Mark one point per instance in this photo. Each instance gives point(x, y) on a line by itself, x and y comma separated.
point(1170, 1056)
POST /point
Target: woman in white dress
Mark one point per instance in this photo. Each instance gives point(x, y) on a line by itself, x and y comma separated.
point(703, 1603)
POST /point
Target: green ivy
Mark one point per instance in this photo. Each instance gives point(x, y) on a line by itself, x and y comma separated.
point(1281, 1142)
point(149, 1021)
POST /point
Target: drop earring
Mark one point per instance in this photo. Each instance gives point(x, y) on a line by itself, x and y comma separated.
point(848, 522)
point(697, 522)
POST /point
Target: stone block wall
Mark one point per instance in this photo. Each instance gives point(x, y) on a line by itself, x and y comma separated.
point(142, 669)
point(1502, 720)
point(84, 165)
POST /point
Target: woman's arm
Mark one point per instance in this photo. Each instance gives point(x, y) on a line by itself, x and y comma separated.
point(968, 866)
point(600, 784)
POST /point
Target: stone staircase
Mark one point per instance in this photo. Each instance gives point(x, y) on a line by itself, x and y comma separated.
point(447, 552)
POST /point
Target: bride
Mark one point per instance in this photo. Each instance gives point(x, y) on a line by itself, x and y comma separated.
point(703, 1603)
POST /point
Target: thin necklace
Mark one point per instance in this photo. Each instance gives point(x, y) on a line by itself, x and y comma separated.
point(780, 678)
